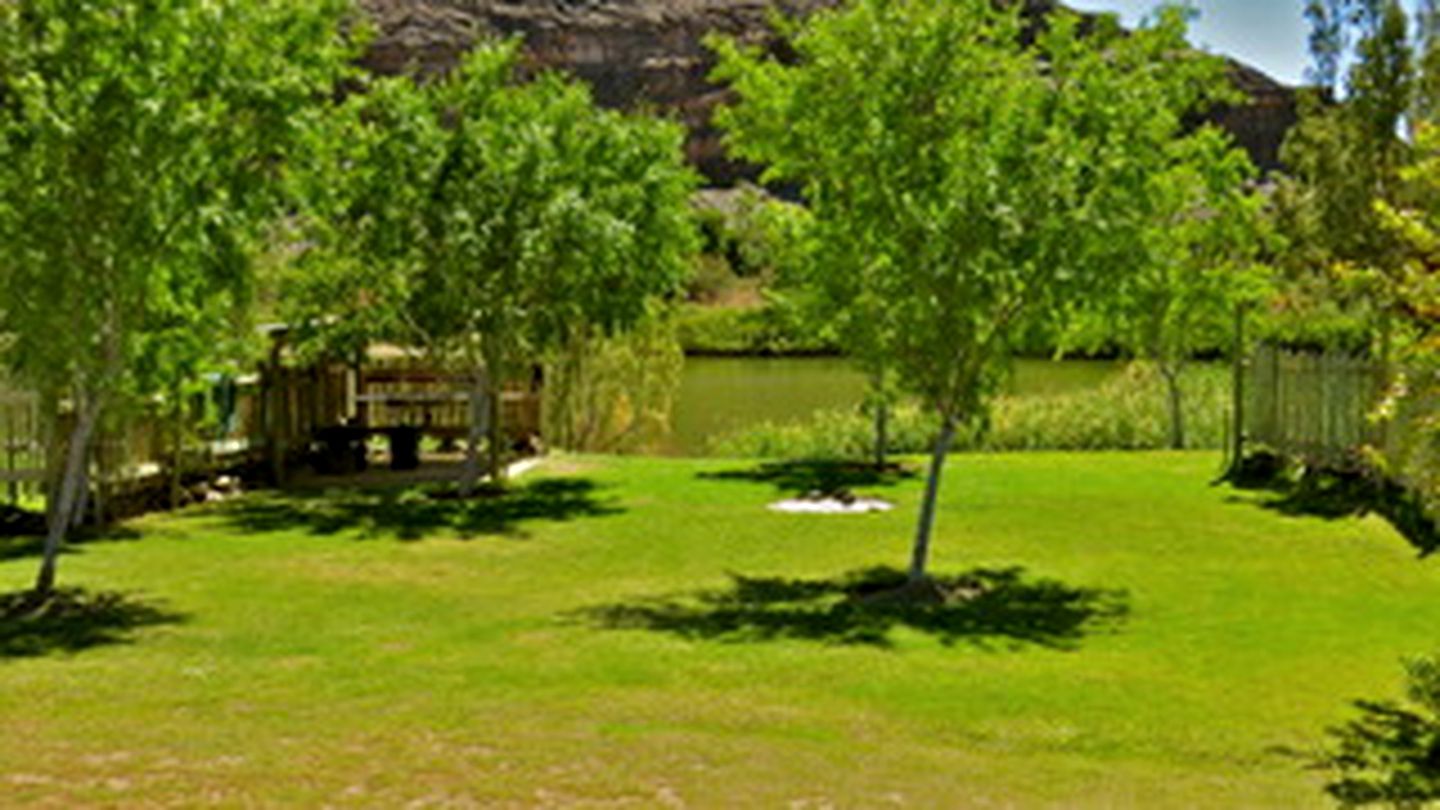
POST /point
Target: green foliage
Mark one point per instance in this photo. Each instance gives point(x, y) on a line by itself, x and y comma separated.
point(1390, 754)
point(957, 186)
point(776, 328)
point(1203, 237)
point(142, 149)
point(1314, 325)
point(751, 230)
point(488, 221)
point(962, 181)
point(711, 278)
point(487, 218)
point(1411, 294)
point(1126, 413)
point(1346, 155)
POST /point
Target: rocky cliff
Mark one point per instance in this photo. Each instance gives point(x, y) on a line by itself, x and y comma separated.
point(651, 53)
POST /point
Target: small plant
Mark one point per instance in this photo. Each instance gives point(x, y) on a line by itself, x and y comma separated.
point(1390, 754)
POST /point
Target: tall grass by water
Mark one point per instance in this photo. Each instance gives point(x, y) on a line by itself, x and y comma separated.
point(1127, 412)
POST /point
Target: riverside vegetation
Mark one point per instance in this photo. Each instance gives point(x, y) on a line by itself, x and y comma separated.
point(1127, 412)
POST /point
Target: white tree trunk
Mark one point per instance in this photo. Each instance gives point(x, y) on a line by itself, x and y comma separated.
point(1176, 400)
point(882, 417)
point(496, 374)
point(479, 425)
point(63, 507)
point(882, 433)
point(920, 558)
point(496, 440)
point(1237, 430)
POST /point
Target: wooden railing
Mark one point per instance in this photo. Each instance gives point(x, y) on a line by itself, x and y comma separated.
point(22, 448)
point(275, 419)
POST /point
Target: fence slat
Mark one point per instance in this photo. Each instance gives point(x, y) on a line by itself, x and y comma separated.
point(1319, 406)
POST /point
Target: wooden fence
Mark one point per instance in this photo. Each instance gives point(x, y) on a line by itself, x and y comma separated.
point(1312, 405)
point(1320, 407)
point(22, 462)
point(395, 395)
point(270, 419)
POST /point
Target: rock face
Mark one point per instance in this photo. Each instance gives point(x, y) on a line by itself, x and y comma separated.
point(651, 54)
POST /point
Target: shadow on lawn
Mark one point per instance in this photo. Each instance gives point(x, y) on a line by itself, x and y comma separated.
point(17, 547)
point(986, 608)
point(1333, 495)
point(817, 476)
point(72, 620)
point(415, 514)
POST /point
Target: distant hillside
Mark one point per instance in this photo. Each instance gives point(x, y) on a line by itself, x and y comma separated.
point(650, 53)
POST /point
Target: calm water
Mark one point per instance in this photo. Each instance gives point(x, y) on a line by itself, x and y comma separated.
point(722, 395)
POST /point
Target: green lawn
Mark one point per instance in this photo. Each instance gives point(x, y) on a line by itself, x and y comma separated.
point(556, 648)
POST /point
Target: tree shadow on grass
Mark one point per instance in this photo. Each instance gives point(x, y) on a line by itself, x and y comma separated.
point(1334, 495)
point(22, 535)
point(817, 476)
point(984, 608)
point(418, 514)
point(72, 620)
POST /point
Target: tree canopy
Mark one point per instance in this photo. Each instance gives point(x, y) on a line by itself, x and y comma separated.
point(963, 182)
point(142, 146)
point(488, 219)
point(1198, 261)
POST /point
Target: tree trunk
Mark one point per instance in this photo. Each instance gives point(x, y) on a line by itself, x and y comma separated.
point(479, 421)
point(1387, 378)
point(1237, 435)
point(882, 433)
point(882, 419)
point(62, 508)
point(497, 430)
point(99, 494)
point(495, 379)
point(921, 555)
point(1176, 400)
point(177, 458)
point(82, 503)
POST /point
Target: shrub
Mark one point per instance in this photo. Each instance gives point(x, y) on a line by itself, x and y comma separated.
point(773, 329)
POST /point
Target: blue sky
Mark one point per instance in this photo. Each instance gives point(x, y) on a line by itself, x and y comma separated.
point(1269, 34)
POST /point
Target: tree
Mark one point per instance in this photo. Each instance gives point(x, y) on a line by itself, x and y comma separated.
point(489, 220)
point(1410, 297)
point(962, 182)
point(1346, 152)
point(1198, 261)
point(142, 146)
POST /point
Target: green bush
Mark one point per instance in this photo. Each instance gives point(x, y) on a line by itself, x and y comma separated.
point(768, 330)
point(1126, 413)
point(711, 278)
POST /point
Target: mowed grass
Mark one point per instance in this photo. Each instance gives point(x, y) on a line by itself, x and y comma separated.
point(385, 650)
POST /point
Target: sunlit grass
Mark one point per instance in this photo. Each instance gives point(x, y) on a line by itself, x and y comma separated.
point(355, 649)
